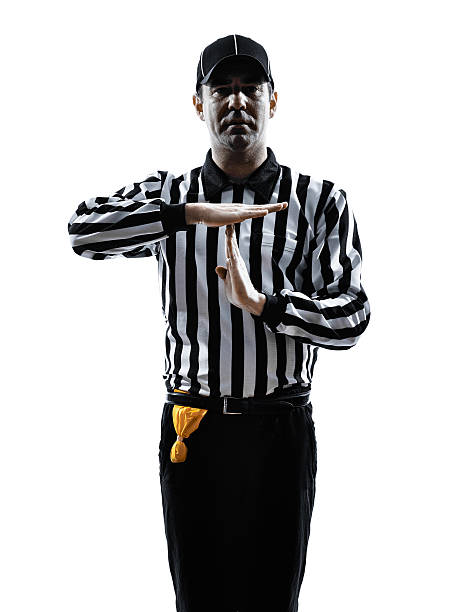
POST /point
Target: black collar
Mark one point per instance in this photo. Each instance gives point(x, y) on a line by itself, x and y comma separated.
point(262, 180)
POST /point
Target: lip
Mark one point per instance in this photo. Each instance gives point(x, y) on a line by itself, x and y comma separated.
point(238, 124)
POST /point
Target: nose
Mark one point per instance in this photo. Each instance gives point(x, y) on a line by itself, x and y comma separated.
point(237, 100)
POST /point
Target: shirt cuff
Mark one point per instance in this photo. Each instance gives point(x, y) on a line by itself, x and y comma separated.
point(173, 217)
point(274, 307)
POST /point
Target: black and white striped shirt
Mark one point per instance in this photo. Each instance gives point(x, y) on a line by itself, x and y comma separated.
point(306, 259)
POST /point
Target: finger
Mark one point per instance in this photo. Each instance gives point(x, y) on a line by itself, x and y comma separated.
point(230, 206)
point(270, 207)
point(260, 211)
point(275, 206)
point(230, 244)
point(221, 272)
point(266, 207)
point(227, 242)
point(230, 234)
point(235, 246)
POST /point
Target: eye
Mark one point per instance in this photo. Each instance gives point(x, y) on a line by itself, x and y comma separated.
point(225, 91)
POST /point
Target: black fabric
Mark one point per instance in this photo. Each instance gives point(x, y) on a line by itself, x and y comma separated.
point(232, 45)
point(274, 308)
point(262, 181)
point(272, 403)
point(235, 405)
point(174, 217)
point(237, 511)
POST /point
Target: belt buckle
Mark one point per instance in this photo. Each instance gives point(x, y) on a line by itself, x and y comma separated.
point(225, 410)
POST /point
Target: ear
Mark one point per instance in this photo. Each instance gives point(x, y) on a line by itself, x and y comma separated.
point(198, 105)
point(273, 104)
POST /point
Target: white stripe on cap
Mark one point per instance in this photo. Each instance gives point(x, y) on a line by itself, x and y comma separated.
point(235, 43)
point(201, 66)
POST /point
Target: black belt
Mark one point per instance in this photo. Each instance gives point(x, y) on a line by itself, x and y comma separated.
point(227, 404)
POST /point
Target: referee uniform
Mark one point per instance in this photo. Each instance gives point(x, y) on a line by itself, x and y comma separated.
point(237, 507)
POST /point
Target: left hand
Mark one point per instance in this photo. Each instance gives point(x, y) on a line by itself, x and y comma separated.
point(238, 286)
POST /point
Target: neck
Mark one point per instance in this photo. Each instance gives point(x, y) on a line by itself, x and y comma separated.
point(239, 164)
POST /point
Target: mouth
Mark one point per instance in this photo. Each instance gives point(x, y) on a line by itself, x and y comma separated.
point(237, 125)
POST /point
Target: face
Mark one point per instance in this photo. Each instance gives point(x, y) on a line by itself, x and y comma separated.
point(236, 106)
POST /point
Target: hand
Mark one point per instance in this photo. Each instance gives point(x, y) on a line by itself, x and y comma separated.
point(238, 286)
point(215, 215)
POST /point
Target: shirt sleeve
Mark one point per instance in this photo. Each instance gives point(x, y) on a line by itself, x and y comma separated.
point(129, 223)
point(332, 310)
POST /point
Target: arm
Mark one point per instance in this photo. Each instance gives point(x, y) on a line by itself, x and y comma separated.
point(128, 223)
point(332, 310)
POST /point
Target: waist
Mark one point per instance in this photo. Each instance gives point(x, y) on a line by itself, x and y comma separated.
point(277, 402)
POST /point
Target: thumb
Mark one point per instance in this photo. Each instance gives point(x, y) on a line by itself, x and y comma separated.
point(221, 272)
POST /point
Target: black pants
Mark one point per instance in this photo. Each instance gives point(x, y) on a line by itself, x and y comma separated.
point(237, 512)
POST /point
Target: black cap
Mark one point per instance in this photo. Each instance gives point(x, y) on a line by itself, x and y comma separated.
point(231, 46)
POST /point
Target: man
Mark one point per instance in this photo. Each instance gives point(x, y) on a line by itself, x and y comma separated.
point(259, 266)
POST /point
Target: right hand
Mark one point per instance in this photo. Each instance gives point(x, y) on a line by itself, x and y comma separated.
point(215, 215)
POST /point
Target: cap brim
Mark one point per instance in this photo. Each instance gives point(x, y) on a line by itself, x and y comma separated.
point(208, 76)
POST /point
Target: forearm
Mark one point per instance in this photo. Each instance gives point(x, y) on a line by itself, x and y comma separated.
point(333, 322)
point(107, 227)
point(193, 213)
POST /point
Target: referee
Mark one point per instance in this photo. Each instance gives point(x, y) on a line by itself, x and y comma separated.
point(259, 265)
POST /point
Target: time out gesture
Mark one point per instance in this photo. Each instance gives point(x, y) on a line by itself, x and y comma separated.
point(238, 285)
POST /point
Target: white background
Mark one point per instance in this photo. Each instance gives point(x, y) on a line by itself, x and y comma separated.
point(97, 95)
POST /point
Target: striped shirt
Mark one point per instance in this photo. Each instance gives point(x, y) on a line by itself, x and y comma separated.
point(306, 259)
